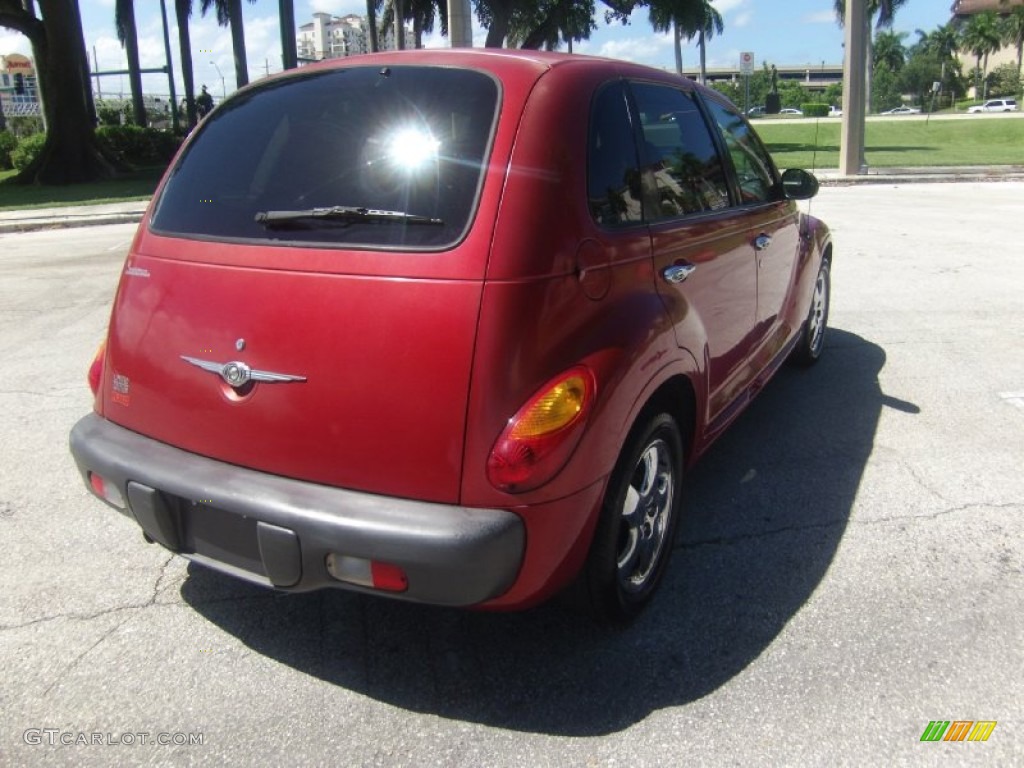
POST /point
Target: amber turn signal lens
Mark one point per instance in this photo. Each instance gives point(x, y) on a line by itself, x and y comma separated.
point(553, 410)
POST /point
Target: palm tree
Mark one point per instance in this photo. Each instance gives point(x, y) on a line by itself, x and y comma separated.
point(229, 13)
point(981, 36)
point(371, 22)
point(183, 12)
point(421, 13)
point(710, 24)
point(889, 50)
point(127, 34)
point(943, 41)
point(689, 19)
point(1013, 33)
point(286, 19)
point(551, 24)
point(885, 10)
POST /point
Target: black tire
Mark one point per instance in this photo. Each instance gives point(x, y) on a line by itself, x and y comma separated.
point(636, 532)
point(812, 336)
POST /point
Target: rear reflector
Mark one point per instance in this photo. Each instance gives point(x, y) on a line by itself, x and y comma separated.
point(367, 573)
point(106, 490)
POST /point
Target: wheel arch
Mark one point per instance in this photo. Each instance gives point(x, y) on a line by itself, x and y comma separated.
point(677, 397)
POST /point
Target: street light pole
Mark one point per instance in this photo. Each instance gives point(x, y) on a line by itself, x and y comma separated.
point(223, 90)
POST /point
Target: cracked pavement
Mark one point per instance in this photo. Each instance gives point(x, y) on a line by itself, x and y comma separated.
point(850, 566)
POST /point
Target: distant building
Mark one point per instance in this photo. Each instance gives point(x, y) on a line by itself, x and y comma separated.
point(19, 94)
point(962, 11)
point(332, 37)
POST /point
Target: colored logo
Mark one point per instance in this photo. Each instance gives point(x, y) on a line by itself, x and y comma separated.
point(958, 730)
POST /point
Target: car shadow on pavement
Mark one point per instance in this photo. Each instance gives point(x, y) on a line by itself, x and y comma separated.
point(766, 509)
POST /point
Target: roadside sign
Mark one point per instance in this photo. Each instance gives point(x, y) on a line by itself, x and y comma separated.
point(747, 63)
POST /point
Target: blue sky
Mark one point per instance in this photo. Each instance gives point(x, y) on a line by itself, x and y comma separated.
point(779, 31)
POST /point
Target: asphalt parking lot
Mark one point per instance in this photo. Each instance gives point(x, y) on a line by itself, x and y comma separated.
point(850, 567)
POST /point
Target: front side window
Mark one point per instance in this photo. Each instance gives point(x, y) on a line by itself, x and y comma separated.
point(679, 151)
point(362, 156)
point(754, 169)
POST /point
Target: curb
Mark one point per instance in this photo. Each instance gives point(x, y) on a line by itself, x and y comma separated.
point(68, 222)
point(918, 178)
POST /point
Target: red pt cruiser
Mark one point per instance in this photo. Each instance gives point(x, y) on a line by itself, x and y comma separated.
point(448, 326)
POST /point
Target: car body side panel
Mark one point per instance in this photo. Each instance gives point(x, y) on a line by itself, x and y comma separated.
point(714, 310)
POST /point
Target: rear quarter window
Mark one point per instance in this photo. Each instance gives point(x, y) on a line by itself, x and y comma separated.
point(406, 139)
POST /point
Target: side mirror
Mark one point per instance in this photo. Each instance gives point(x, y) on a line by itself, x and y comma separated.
point(798, 184)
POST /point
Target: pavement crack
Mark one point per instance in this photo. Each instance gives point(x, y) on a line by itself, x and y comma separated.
point(148, 603)
point(82, 655)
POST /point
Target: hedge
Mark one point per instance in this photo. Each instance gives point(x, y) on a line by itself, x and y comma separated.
point(814, 110)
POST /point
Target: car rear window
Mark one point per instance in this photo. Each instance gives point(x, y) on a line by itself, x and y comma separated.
point(356, 157)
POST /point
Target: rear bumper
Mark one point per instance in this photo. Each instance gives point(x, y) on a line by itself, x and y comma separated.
point(279, 532)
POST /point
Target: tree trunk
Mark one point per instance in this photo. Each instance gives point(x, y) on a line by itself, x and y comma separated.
point(371, 22)
point(677, 43)
point(703, 59)
point(131, 47)
point(286, 17)
point(399, 8)
point(71, 153)
point(869, 67)
point(501, 14)
point(181, 12)
point(238, 42)
point(90, 103)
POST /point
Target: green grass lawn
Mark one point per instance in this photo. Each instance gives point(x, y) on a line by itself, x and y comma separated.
point(137, 185)
point(888, 143)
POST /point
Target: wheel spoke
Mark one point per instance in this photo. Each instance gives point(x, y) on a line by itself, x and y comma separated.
point(631, 508)
point(626, 561)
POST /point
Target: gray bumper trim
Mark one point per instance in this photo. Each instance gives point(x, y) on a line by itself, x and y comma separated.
point(451, 555)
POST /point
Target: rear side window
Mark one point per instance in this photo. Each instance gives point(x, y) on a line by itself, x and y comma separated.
point(613, 175)
point(680, 152)
point(364, 142)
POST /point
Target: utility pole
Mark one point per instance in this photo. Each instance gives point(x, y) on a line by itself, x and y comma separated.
point(460, 24)
point(851, 152)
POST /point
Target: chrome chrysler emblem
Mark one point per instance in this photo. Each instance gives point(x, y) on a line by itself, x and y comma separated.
point(238, 374)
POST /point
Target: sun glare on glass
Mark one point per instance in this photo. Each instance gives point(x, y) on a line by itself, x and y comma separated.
point(411, 149)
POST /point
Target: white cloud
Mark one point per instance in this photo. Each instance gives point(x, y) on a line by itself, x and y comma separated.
point(15, 44)
point(820, 17)
point(724, 6)
point(655, 50)
point(743, 19)
point(334, 7)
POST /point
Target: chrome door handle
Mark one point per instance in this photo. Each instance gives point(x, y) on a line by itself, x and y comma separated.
point(762, 241)
point(677, 272)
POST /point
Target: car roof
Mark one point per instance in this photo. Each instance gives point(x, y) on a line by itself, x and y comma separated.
point(503, 63)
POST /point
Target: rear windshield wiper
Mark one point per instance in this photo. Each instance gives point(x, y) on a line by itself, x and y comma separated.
point(341, 213)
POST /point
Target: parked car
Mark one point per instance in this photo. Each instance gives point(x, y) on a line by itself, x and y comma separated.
point(902, 111)
point(790, 111)
point(756, 111)
point(994, 105)
point(834, 111)
point(405, 324)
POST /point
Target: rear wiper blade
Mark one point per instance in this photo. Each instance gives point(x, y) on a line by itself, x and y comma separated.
point(342, 213)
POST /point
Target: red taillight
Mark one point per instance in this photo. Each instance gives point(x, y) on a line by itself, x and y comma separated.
point(539, 439)
point(96, 369)
point(367, 573)
point(388, 577)
point(106, 490)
